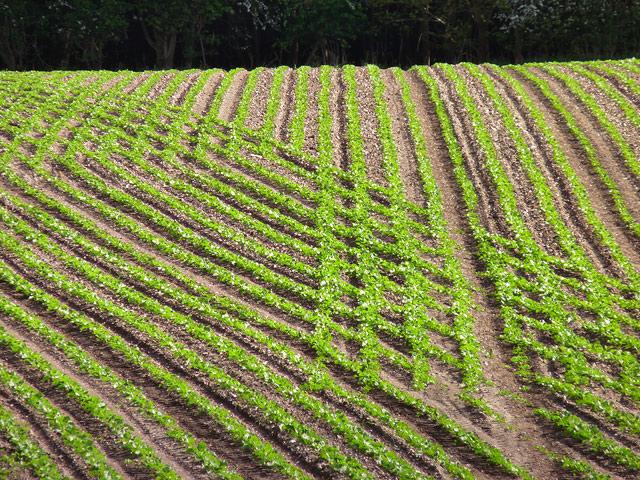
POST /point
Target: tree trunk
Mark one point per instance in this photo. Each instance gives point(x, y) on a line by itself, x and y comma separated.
point(166, 49)
point(424, 40)
point(7, 56)
point(163, 44)
point(92, 54)
point(518, 57)
point(482, 47)
point(202, 51)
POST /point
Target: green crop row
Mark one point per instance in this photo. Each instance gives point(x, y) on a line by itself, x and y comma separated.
point(591, 437)
point(430, 448)
point(454, 430)
point(134, 395)
point(237, 355)
point(91, 404)
point(505, 282)
point(630, 111)
point(265, 455)
point(262, 450)
point(77, 440)
point(576, 365)
point(200, 303)
point(28, 454)
point(587, 146)
point(600, 115)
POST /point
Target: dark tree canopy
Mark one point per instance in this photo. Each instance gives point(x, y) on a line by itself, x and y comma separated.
point(53, 34)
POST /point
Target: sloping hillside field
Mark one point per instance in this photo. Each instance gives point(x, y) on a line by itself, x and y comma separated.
point(321, 273)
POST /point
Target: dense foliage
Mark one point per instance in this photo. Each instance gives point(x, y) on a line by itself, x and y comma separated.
point(115, 34)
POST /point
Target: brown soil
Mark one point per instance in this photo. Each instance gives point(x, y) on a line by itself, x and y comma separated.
point(564, 202)
point(488, 325)
point(407, 162)
point(287, 105)
point(369, 128)
point(178, 96)
point(488, 207)
point(233, 96)
point(259, 100)
point(311, 120)
point(506, 150)
point(338, 113)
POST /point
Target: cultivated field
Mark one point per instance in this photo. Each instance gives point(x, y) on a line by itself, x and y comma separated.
point(321, 273)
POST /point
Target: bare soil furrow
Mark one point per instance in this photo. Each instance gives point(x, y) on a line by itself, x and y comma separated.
point(139, 79)
point(338, 114)
point(576, 156)
point(259, 99)
point(311, 123)
point(286, 107)
point(369, 128)
point(489, 208)
point(407, 160)
point(488, 325)
point(179, 95)
point(205, 97)
point(232, 97)
point(159, 87)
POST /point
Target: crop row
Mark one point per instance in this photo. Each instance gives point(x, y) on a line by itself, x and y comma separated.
point(263, 451)
point(601, 116)
point(587, 146)
point(27, 454)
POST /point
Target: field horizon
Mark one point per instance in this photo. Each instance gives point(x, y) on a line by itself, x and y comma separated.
point(321, 272)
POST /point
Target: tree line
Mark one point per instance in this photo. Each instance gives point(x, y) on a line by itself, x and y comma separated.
point(141, 34)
